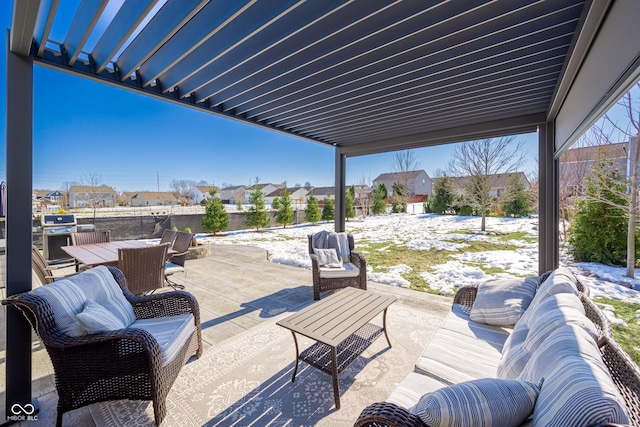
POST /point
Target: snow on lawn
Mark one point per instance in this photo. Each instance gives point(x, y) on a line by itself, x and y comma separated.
point(442, 232)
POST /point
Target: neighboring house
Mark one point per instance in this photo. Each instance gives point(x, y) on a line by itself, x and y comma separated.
point(418, 182)
point(321, 192)
point(498, 182)
point(575, 164)
point(265, 188)
point(298, 196)
point(155, 198)
point(86, 196)
point(125, 197)
point(201, 192)
point(231, 195)
point(363, 195)
point(52, 200)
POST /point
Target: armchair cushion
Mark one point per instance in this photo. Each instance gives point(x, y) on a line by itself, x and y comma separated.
point(171, 333)
point(328, 258)
point(502, 301)
point(347, 270)
point(94, 318)
point(487, 401)
point(67, 298)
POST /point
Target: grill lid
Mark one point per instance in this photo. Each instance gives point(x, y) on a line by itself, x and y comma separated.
point(57, 220)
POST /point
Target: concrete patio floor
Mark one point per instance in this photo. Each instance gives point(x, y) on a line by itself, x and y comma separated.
point(237, 288)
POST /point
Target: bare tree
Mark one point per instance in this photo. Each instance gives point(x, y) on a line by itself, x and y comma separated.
point(94, 183)
point(477, 160)
point(182, 188)
point(66, 188)
point(630, 130)
point(404, 162)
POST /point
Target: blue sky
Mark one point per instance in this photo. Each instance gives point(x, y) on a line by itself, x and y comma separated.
point(82, 127)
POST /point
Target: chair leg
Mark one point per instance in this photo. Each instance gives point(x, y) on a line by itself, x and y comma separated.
point(173, 284)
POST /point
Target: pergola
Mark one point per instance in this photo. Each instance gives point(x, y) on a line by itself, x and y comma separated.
point(361, 76)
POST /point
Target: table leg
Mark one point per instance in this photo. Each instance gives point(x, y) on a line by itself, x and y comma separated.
point(295, 369)
point(384, 326)
point(334, 374)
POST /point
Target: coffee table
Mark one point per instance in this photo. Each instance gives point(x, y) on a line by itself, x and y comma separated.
point(340, 325)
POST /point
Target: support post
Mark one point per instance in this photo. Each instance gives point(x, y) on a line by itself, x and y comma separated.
point(340, 190)
point(19, 223)
point(548, 199)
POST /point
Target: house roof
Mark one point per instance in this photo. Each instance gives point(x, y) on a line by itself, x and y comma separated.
point(278, 192)
point(596, 152)
point(233, 187)
point(323, 191)
point(398, 176)
point(498, 180)
point(91, 189)
point(154, 195)
point(204, 189)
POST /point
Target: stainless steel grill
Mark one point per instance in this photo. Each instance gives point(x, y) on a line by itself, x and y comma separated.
point(56, 230)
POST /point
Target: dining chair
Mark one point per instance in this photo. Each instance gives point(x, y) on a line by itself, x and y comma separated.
point(176, 264)
point(89, 237)
point(42, 270)
point(168, 236)
point(143, 268)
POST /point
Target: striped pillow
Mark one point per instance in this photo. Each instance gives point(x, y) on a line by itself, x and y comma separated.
point(94, 318)
point(502, 302)
point(482, 402)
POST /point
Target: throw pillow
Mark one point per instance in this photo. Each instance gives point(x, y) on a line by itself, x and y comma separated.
point(482, 402)
point(328, 258)
point(95, 318)
point(502, 301)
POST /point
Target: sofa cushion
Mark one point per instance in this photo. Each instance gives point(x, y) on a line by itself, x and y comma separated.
point(573, 371)
point(553, 313)
point(502, 301)
point(408, 393)
point(347, 270)
point(483, 402)
point(328, 258)
point(171, 333)
point(453, 357)
point(457, 320)
point(67, 298)
point(95, 318)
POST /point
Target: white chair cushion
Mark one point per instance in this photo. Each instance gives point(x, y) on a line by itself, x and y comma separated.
point(67, 298)
point(95, 318)
point(328, 258)
point(171, 268)
point(347, 270)
point(170, 332)
point(408, 393)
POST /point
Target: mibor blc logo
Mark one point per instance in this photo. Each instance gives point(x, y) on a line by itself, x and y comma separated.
point(20, 412)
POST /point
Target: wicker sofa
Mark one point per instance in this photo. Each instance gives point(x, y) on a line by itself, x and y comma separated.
point(95, 358)
point(561, 342)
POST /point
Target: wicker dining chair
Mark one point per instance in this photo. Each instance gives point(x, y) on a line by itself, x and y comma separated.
point(89, 237)
point(143, 267)
point(177, 261)
point(42, 270)
point(168, 236)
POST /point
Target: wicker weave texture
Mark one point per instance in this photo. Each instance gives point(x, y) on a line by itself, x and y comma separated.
point(143, 268)
point(327, 284)
point(124, 364)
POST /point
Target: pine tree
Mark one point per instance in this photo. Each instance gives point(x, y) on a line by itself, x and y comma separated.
point(599, 229)
point(215, 216)
point(312, 212)
point(275, 205)
point(515, 201)
point(285, 213)
point(379, 200)
point(398, 202)
point(349, 210)
point(257, 215)
point(328, 213)
point(444, 196)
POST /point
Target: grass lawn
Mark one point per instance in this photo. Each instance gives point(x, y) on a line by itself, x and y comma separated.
point(627, 336)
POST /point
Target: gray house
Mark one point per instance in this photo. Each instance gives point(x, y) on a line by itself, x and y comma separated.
point(87, 196)
point(417, 182)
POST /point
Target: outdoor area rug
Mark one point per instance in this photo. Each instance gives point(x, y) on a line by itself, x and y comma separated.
point(246, 380)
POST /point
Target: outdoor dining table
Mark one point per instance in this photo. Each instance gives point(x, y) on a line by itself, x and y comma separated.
point(105, 253)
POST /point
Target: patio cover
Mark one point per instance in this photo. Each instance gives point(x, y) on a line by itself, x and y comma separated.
point(362, 76)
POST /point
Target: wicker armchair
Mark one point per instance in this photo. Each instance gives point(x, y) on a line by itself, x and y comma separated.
point(121, 364)
point(143, 267)
point(321, 284)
